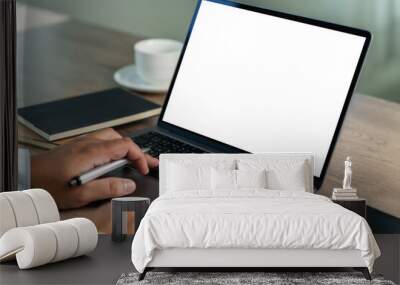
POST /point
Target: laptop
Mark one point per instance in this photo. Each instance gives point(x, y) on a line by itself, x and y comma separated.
point(254, 80)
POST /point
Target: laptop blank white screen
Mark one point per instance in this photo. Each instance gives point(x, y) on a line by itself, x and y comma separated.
point(263, 83)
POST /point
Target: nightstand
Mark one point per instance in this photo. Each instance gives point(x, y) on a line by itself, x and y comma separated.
point(358, 206)
point(120, 208)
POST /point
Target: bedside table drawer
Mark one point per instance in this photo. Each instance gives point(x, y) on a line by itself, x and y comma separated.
point(357, 206)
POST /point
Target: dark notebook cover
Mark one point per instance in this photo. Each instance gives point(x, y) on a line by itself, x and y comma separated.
point(80, 114)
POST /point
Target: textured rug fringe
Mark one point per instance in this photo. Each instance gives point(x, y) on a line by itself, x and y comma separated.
point(267, 278)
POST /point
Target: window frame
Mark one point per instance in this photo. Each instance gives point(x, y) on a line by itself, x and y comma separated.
point(8, 127)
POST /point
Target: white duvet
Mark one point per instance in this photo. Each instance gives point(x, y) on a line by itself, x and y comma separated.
point(250, 219)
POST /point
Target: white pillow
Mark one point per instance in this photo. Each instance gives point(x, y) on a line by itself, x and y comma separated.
point(290, 179)
point(282, 174)
point(236, 179)
point(223, 179)
point(251, 178)
point(181, 177)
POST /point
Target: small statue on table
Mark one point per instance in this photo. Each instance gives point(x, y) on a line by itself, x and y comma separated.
point(346, 192)
point(348, 172)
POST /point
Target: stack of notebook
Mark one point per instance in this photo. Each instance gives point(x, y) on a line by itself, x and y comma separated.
point(86, 113)
point(344, 194)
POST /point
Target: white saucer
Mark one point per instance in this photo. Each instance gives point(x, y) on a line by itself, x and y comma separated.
point(127, 77)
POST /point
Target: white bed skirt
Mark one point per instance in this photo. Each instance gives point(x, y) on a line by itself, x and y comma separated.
point(224, 257)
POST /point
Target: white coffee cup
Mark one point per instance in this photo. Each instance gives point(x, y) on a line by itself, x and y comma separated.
point(156, 59)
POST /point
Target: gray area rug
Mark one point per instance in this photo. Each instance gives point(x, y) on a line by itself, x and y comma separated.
point(269, 278)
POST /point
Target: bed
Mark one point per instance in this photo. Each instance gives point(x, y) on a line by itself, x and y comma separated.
point(247, 211)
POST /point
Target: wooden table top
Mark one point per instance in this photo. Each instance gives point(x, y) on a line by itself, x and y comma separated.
point(72, 58)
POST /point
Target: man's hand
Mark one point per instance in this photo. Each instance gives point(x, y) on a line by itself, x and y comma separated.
point(52, 170)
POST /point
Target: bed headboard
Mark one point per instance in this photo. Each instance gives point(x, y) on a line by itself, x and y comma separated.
point(212, 158)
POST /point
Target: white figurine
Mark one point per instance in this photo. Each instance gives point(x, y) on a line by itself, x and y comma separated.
point(347, 174)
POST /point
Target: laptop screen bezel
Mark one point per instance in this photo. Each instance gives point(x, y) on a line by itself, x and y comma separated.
point(222, 147)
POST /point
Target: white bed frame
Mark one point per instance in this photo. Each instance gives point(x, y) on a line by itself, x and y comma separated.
point(246, 258)
point(234, 257)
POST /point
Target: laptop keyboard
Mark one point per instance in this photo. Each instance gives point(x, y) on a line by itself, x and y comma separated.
point(159, 143)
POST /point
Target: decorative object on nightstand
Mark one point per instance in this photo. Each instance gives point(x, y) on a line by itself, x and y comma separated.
point(347, 196)
point(358, 206)
point(120, 208)
point(347, 192)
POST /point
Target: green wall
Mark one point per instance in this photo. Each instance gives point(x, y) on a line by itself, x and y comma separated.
point(170, 18)
point(153, 18)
